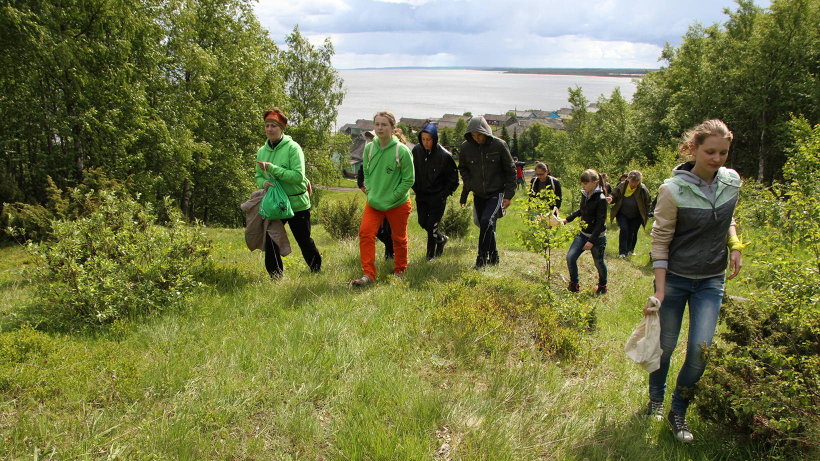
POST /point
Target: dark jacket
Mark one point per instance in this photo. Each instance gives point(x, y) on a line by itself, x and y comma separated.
point(641, 198)
point(436, 172)
point(593, 213)
point(486, 169)
point(552, 183)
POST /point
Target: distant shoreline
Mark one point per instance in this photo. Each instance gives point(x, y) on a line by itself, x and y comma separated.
point(591, 72)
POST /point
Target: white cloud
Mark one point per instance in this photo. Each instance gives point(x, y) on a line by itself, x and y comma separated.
point(521, 33)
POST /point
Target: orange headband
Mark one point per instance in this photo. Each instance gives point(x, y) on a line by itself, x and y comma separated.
point(277, 117)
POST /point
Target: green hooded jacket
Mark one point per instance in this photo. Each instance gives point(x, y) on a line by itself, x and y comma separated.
point(387, 181)
point(287, 167)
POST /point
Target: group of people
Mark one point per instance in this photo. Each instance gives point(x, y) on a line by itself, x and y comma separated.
point(693, 236)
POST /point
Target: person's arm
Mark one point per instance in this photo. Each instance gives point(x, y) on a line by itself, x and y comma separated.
point(508, 170)
point(663, 230)
point(464, 170)
point(452, 173)
point(600, 219)
point(735, 256)
point(408, 171)
point(558, 193)
point(360, 177)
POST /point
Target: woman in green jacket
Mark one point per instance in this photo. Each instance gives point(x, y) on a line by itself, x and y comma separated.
point(281, 159)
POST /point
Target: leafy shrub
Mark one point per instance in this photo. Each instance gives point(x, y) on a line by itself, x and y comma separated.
point(341, 219)
point(764, 381)
point(117, 263)
point(537, 235)
point(456, 220)
point(33, 221)
point(497, 312)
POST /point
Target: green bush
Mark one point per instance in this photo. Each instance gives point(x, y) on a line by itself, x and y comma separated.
point(495, 313)
point(117, 263)
point(341, 219)
point(456, 220)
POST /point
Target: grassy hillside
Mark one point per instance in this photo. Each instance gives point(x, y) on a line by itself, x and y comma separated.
point(307, 368)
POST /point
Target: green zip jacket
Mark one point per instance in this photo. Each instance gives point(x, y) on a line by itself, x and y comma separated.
point(387, 181)
point(287, 167)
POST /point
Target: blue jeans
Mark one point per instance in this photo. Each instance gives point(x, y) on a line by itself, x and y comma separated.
point(628, 237)
point(598, 251)
point(704, 297)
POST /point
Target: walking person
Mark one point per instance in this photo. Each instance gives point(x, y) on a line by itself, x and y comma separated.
point(693, 235)
point(388, 176)
point(436, 179)
point(592, 236)
point(519, 173)
point(487, 171)
point(543, 180)
point(281, 159)
point(630, 207)
point(383, 234)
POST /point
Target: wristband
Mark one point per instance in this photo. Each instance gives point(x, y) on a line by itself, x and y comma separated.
point(736, 243)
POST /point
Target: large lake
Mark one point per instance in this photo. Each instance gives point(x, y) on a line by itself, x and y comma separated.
point(423, 93)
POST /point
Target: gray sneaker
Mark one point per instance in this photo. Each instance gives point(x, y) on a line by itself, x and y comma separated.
point(361, 282)
point(655, 410)
point(677, 423)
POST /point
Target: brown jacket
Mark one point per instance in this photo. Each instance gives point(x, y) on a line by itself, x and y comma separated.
point(641, 197)
point(256, 226)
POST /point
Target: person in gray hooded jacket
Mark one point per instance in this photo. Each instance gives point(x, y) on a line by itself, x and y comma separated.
point(487, 170)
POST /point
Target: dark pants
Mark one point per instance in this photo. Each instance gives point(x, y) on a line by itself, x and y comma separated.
point(598, 251)
point(488, 210)
point(300, 228)
point(430, 210)
point(628, 237)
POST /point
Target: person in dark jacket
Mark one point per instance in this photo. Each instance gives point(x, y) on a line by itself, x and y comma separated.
point(543, 180)
point(487, 171)
point(593, 235)
point(384, 235)
point(436, 179)
point(630, 207)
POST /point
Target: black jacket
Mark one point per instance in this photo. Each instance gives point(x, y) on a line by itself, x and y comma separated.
point(593, 213)
point(552, 183)
point(486, 169)
point(436, 173)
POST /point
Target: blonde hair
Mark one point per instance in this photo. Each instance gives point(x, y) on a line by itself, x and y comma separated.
point(695, 136)
point(391, 119)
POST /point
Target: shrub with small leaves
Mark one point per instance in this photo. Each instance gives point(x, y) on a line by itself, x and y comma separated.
point(117, 263)
point(456, 220)
point(341, 219)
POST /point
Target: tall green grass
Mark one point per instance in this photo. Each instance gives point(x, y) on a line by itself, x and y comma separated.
point(308, 368)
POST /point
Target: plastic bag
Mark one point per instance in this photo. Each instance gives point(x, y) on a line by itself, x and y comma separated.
point(644, 345)
point(275, 204)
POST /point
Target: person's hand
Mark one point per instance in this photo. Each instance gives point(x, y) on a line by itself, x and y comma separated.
point(267, 184)
point(587, 246)
point(463, 204)
point(735, 263)
point(263, 165)
point(363, 189)
point(608, 199)
point(505, 203)
point(648, 304)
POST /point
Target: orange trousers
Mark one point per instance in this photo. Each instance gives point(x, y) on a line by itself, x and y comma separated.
point(371, 220)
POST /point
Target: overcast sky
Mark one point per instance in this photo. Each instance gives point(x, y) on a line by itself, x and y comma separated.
point(497, 33)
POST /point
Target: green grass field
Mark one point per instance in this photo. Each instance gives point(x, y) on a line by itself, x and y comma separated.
point(307, 368)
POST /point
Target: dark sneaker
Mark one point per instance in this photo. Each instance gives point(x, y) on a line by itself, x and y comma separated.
point(493, 259)
point(361, 282)
point(574, 287)
point(677, 423)
point(655, 410)
point(601, 290)
point(480, 261)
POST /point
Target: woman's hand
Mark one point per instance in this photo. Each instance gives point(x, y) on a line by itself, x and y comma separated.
point(608, 199)
point(735, 263)
point(587, 246)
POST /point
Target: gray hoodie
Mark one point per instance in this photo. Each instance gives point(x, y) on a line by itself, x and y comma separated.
point(486, 169)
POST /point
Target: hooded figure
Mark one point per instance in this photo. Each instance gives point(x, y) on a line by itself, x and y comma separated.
point(487, 171)
point(436, 179)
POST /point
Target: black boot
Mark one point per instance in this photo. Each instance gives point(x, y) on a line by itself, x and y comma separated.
point(431, 247)
point(480, 261)
point(492, 258)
